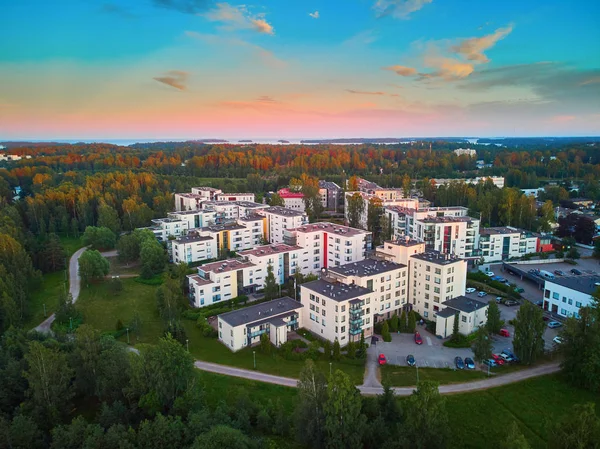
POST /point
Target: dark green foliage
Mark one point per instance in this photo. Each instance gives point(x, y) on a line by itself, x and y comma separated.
point(412, 321)
point(515, 439)
point(394, 323)
point(426, 425)
point(385, 332)
point(50, 256)
point(310, 414)
point(579, 429)
point(483, 345)
point(494, 323)
point(271, 288)
point(337, 352)
point(402, 323)
point(92, 266)
point(265, 343)
point(529, 331)
point(152, 257)
point(219, 437)
point(327, 349)
point(351, 350)
point(99, 238)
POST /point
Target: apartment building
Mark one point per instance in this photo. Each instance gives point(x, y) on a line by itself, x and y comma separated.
point(256, 224)
point(327, 245)
point(292, 200)
point(435, 278)
point(448, 235)
point(284, 259)
point(465, 152)
point(400, 250)
point(387, 280)
point(278, 219)
point(207, 193)
point(193, 247)
point(196, 218)
point(188, 201)
point(234, 236)
point(505, 242)
point(498, 181)
point(472, 315)
point(565, 295)
point(385, 193)
point(163, 228)
point(249, 197)
point(336, 311)
point(331, 194)
point(241, 328)
point(405, 203)
point(220, 281)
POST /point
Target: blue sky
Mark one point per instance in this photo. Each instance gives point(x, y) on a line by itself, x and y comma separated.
point(200, 68)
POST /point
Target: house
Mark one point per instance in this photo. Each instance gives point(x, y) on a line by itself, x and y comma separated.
point(241, 328)
point(292, 200)
point(472, 315)
point(565, 295)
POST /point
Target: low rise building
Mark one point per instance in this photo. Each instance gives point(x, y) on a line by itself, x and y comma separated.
point(193, 248)
point(292, 200)
point(278, 219)
point(249, 197)
point(284, 259)
point(220, 281)
point(502, 243)
point(472, 315)
point(465, 152)
point(241, 328)
point(331, 195)
point(565, 295)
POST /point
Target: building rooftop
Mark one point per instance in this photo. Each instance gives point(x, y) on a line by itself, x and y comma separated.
point(336, 290)
point(252, 217)
point(406, 241)
point(266, 250)
point(447, 312)
point(250, 204)
point(437, 257)
point(587, 284)
point(284, 211)
point(225, 266)
point(207, 189)
point(235, 194)
point(287, 193)
point(464, 304)
point(198, 280)
point(330, 227)
point(223, 227)
point(367, 267)
point(190, 195)
point(505, 230)
point(329, 185)
point(271, 309)
point(445, 219)
point(191, 212)
point(166, 220)
point(193, 237)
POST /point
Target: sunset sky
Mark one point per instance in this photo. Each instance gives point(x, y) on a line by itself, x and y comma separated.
point(74, 69)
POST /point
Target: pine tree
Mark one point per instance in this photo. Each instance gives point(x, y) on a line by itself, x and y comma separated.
point(412, 322)
point(270, 284)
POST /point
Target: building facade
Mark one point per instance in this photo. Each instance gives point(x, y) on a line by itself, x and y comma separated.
point(503, 243)
point(292, 200)
point(472, 315)
point(193, 248)
point(565, 295)
point(278, 219)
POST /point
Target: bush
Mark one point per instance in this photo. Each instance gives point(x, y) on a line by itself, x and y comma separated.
point(119, 325)
point(155, 280)
point(412, 321)
point(460, 341)
point(377, 327)
point(430, 326)
point(351, 350)
point(394, 323)
point(337, 351)
point(313, 350)
point(570, 262)
point(385, 332)
point(327, 349)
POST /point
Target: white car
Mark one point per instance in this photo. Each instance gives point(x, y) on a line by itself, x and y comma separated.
point(557, 340)
point(489, 274)
point(470, 290)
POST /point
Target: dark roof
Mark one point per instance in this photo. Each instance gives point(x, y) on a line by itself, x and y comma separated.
point(193, 237)
point(436, 257)
point(336, 290)
point(367, 267)
point(270, 309)
point(584, 284)
point(447, 312)
point(283, 211)
point(464, 304)
point(329, 185)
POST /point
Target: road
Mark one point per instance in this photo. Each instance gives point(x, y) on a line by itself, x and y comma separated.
point(368, 390)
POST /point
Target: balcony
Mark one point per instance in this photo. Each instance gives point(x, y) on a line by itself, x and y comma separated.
point(355, 330)
point(257, 333)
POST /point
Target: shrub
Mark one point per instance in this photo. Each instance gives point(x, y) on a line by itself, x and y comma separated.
point(337, 352)
point(394, 323)
point(327, 349)
point(119, 325)
point(155, 280)
point(313, 350)
point(385, 332)
point(351, 350)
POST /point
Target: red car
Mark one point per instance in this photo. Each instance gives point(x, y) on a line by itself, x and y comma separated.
point(382, 360)
point(504, 333)
point(499, 360)
point(418, 339)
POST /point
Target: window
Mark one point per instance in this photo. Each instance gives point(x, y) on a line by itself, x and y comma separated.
point(563, 312)
point(231, 332)
point(343, 329)
point(564, 299)
point(555, 295)
point(577, 304)
point(220, 325)
point(323, 322)
point(570, 302)
point(463, 318)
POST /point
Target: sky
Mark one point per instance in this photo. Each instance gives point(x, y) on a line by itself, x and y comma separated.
point(158, 69)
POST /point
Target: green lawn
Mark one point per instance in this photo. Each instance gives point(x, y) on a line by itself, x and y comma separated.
point(406, 376)
point(70, 244)
point(50, 289)
point(101, 309)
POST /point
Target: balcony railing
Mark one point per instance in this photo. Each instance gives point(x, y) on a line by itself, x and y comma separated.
point(257, 333)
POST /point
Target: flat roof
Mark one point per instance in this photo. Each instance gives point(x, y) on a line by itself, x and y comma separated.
point(447, 312)
point(271, 309)
point(336, 290)
point(328, 185)
point(249, 204)
point(284, 211)
point(192, 212)
point(252, 217)
point(367, 267)
point(437, 257)
point(583, 283)
point(407, 241)
point(190, 195)
point(207, 189)
point(225, 266)
point(464, 304)
point(330, 227)
point(199, 280)
point(223, 227)
point(235, 194)
point(450, 219)
point(267, 250)
point(193, 237)
point(287, 193)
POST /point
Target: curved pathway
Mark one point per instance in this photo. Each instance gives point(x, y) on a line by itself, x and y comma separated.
point(492, 382)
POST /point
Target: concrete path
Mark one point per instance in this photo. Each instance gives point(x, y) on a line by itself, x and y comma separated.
point(372, 368)
point(369, 390)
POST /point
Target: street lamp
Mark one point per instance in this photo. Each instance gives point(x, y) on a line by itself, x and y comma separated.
point(44, 310)
point(254, 357)
point(330, 365)
point(127, 329)
point(187, 345)
point(417, 366)
point(70, 323)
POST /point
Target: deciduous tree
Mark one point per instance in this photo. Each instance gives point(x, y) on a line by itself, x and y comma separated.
point(309, 412)
point(426, 425)
point(529, 331)
point(92, 266)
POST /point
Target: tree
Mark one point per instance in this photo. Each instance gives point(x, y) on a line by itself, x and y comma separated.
point(337, 351)
point(494, 323)
point(579, 429)
point(162, 431)
point(362, 346)
point(85, 359)
point(406, 185)
point(99, 237)
point(573, 253)
point(276, 200)
point(271, 288)
point(385, 332)
point(546, 216)
point(597, 248)
point(109, 218)
point(152, 256)
point(255, 183)
point(327, 349)
point(352, 184)
point(482, 347)
point(581, 346)
point(52, 257)
point(49, 377)
point(529, 330)
point(92, 266)
point(515, 438)
point(344, 422)
point(355, 209)
point(116, 285)
point(412, 322)
point(374, 214)
point(455, 327)
point(265, 344)
point(403, 325)
point(426, 425)
point(351, 350)
point(221, 436)
point(309, 412)
point(394, 323)
point(169, 299)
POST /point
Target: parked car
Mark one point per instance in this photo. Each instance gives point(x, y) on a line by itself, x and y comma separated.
point(511, 303)
point(418, 339)
point(469, 363)
point(489, 273)
point(540, 303)
point(498, 298)
point(410, 360)
point(576, 272)
point(499, 279)
point(559, 272)
point(519, 290)
point(557, 340)
point(546, 318)
point(509, 356)
point(504, 333)
point(481, 294)
point(499, 360)
point(470, 290)
point(490, 362)
point(554, 324)
point(459, 363)
point(381, 359)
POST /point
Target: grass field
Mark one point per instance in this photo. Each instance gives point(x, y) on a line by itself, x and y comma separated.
point(405, 376)
point(70, 244)
point(50, 289)
point(101, 309)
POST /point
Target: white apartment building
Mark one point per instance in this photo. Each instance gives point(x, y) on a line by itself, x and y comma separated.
point(292, 200)
point(502, 243)
point(249, 197)
point(472, 315)
point(241, 328)
point(387, 280)
point(234, 236)
point(207, 193)
point(400, 250)
point(465, 152)
point(327, 245)
point(498, 181)
point(284, 259)
point(278, 219)
point(403, 203)
point(385, 193)
point(336, 311)
point(448, 235)
point(565, 295)
point(188, 201)
point(193, 247)
point(163, 228)
point(197, 218)
point(435, 278)
point(220, 281)
point(256, 225)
